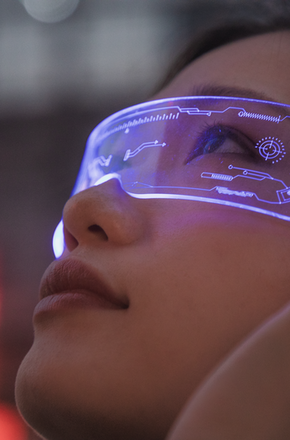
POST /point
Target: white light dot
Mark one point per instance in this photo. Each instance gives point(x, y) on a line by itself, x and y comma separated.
point(58, 240)
point(50, 11)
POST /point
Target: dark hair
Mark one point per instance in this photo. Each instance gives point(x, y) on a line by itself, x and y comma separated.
point(219, 35)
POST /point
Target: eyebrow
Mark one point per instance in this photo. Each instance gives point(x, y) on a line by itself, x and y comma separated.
point(237, 92)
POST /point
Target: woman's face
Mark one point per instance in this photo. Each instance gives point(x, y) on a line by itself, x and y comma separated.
point(191, 281)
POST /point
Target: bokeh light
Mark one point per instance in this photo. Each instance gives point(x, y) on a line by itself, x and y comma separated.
point(50, 11)
point(11, 425)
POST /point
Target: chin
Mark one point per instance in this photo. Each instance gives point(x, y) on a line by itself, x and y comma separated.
point(56, 412)
point(33, 400)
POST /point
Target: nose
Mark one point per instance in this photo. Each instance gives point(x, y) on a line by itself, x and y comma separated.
point(103, 213)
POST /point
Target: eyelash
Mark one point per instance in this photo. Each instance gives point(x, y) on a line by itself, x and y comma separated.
point(223, 132)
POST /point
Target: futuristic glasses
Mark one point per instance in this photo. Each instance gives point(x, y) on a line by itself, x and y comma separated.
point(226, 151)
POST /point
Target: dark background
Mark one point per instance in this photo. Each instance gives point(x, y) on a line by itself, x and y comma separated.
point(57, 81)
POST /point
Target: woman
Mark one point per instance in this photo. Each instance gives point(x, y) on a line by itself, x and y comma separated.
point(178, 286)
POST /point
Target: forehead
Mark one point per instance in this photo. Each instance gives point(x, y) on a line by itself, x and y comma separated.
point(260, 64)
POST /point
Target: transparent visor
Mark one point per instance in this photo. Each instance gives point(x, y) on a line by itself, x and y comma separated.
point(227, 151)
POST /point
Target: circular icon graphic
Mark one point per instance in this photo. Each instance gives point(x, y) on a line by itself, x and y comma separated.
point(271, 148)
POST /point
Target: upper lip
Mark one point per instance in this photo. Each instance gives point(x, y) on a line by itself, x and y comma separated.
point(72, 275)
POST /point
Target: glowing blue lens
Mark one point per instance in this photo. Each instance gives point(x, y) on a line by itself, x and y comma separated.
point(226, 151)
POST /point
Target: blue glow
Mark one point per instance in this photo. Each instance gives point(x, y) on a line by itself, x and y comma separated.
point(141, 147)
point(209, 200)
point(271, 149)
point(58, 240)
point(246, 168)
point(108, 177)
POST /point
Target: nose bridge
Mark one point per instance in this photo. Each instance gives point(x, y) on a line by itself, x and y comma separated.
point(103, 211)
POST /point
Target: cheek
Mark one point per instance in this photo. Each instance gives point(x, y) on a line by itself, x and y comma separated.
point(209, 287)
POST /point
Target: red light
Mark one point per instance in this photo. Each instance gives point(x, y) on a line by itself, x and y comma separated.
point(11, 425)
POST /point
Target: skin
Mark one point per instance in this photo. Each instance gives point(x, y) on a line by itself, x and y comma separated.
point(196, 275)
point(248, 396)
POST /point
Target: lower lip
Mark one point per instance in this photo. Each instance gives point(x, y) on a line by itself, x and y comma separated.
point(70, 301)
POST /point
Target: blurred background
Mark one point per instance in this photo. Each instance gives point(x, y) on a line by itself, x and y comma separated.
point(64, 66)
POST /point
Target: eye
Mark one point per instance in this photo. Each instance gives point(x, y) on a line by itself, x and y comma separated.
point(220, 139)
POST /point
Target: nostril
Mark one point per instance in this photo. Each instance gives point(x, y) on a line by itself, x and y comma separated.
point(69, 239)
point(96, 229)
